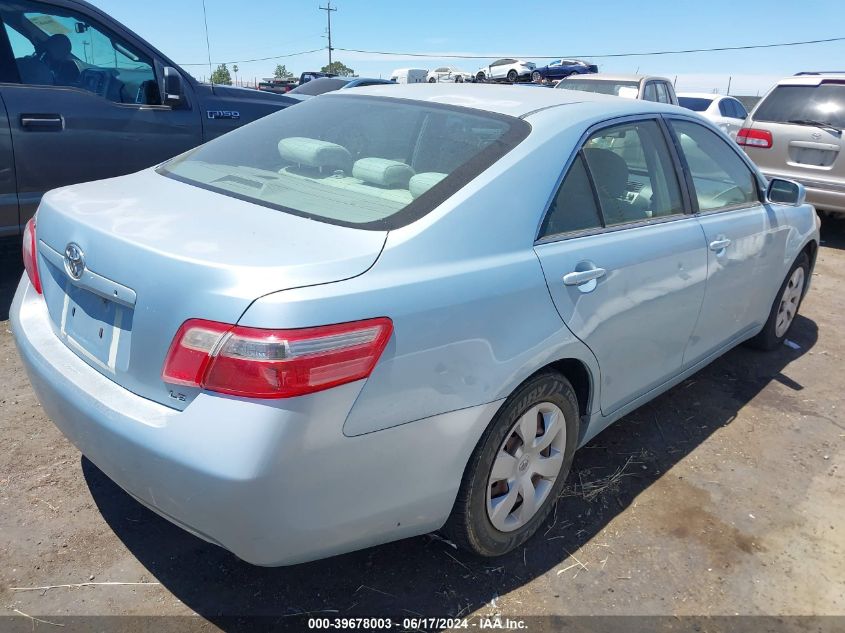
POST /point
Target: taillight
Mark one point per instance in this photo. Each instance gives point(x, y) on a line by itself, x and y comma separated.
point(259, 363)
point(754, 138)
point(30, 255)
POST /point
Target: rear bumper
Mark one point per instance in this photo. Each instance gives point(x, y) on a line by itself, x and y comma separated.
point(825, 196)
point(275, 482)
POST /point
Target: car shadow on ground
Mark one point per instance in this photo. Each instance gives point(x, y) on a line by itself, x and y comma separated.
point(425, 575)
point(833, 231)
point(11, 269)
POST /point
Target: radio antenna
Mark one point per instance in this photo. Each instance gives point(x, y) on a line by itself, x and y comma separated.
point(207, 44)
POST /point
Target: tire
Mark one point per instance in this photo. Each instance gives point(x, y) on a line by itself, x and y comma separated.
point(432, 80)
point(479, 77)
point(536, 76)
point(785, 307)
point(459, 79)
point(473, 524)
point(513, 76)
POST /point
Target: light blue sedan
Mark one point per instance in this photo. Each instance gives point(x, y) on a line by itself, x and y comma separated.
point(398, 309)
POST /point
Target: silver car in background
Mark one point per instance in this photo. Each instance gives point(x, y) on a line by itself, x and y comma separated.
point(350, 323)
point(644, 87)
point(796, 132)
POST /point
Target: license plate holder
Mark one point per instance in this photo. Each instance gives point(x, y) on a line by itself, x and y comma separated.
point(92, 325)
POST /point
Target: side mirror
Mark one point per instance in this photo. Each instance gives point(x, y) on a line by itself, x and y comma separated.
point(174, 94)
point(782, 191)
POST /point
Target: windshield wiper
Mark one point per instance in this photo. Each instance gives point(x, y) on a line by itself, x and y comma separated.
point(813, 122)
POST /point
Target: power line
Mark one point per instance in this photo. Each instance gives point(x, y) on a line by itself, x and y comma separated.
point(262, 59)
point(636, 54)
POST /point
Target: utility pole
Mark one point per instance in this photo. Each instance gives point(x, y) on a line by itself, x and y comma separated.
point(328, 9)
point(730, 78)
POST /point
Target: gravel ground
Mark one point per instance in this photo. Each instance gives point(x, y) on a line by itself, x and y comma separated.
point(723, 496)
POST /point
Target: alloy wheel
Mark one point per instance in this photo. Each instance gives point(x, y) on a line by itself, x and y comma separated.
point(789, 302)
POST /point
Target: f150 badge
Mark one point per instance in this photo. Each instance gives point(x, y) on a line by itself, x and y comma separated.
point(223, 114)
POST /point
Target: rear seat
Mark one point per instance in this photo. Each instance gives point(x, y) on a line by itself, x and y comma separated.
point(391, 180)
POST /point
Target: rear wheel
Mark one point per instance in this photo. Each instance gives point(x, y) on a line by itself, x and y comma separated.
point(459, 79)
point(479, 77)
point(785, 307)
point(536, 77)
point(513, 76)
point(431, 80)
point(518, 468)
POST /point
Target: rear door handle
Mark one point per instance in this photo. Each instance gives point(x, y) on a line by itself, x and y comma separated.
point(719, 245)
point(42, 121)
point(580, 277)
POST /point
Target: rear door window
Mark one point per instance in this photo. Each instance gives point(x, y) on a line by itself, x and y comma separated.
point(633, 173)
point(824, 103)
point(721, 179)
point(574, 206)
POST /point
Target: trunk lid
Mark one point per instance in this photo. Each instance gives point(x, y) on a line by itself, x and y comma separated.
point(158, 252)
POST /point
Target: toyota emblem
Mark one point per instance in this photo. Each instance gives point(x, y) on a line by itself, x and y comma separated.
point(74, 261)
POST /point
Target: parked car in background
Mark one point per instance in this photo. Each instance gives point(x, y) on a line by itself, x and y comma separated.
point(86, 98)
point(409, 75)
point(796, 131)
point(308, 75)
point(508, 69)
point(448, 74)
point(562, 68)
point(330, 84)
point(643, 87)
point(726, 112)
point(311, 351)
point(279, 86)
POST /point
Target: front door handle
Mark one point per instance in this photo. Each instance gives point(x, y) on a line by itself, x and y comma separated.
point(720, 244)
point(581, 277)
point(42, 121)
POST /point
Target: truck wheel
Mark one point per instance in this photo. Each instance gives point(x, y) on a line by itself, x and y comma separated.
point(785, 308)
point(518, 468)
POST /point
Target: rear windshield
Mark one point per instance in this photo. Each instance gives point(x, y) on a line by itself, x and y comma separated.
point(369, 162)
point(320, 86)
point(699, 104)
point(824, 103)
point(629, 89)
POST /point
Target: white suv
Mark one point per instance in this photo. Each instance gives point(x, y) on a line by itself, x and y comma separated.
point(510, 69)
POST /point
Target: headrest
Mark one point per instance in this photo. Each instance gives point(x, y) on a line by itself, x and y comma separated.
point(609, 170)
point(58, 46)
point(312, 152)
point(423, 182)
point(382, 172)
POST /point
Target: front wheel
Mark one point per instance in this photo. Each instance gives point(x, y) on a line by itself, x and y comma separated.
point(513, 76)
point(536, 77)
point(518, 468)
point(459, 79)
point(785, 307)
point(479, 77)
point(431, 80)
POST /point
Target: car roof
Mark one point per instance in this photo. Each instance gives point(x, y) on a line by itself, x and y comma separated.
point(621, 77)
point(503, 99)
point(810, 80)
point(704, 95)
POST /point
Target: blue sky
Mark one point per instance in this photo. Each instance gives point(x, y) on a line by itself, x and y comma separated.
point(263, 28)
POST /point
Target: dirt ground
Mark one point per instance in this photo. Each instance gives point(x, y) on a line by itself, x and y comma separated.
point(723, 496)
